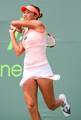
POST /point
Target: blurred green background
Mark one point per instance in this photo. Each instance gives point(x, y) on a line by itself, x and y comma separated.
point(62, 17)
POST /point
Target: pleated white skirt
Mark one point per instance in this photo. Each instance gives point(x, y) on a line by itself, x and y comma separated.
point(44, 71)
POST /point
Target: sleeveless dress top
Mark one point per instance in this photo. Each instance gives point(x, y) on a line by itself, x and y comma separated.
point(35, 62)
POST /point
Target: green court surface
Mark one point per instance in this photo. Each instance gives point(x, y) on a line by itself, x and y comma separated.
point(62, 17)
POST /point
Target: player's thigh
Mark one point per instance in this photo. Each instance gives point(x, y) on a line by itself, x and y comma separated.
point(47, 88)
point(30, 89)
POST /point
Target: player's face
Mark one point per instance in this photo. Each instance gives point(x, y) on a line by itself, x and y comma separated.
point(28, 15)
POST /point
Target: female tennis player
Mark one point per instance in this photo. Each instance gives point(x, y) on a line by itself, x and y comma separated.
point(36, 71)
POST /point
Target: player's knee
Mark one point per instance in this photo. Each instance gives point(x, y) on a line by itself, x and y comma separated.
point(32, 107)
point(51, 106)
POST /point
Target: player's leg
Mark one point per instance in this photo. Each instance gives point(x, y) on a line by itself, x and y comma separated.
point(30, 89)
point(47, 89)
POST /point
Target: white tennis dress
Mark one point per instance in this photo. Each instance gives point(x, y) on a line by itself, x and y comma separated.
point(35, 62)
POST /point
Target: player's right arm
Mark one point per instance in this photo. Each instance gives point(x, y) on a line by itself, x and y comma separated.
point(18, 47)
